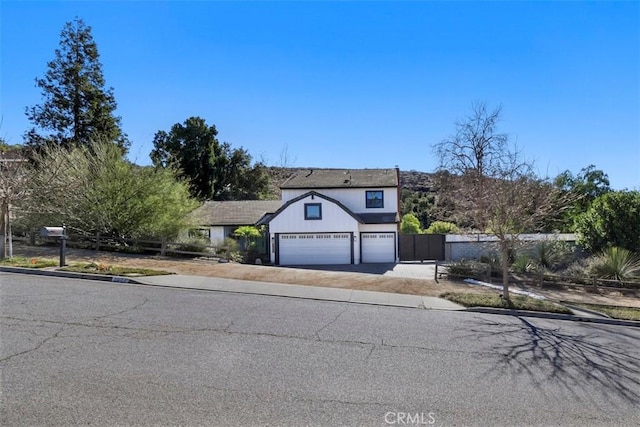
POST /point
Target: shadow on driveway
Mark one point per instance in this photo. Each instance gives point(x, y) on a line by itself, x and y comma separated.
point(417, 270)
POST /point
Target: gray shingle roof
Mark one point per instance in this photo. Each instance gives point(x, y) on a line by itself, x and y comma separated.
point(241, 212)
point(342, 178)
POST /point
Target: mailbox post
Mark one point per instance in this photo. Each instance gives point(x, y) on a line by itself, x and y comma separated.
point(59, 233)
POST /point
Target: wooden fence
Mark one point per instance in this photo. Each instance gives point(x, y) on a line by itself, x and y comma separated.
point(161, 247)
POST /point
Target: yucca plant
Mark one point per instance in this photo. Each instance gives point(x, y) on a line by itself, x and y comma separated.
point(617, 263)
point(523, 264)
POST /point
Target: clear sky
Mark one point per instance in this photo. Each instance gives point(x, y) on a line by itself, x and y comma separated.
point(353, 84)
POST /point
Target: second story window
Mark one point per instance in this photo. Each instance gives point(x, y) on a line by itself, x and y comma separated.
point(312, 211)
point(375, 199)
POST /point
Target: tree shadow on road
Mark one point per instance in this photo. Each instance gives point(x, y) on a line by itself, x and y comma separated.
point(599, 357)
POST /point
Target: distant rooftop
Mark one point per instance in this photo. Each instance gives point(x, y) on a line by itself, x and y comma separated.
point(341, 178)
point(240, 212)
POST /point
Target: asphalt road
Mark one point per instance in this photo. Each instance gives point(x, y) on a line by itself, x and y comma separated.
point(82, 352)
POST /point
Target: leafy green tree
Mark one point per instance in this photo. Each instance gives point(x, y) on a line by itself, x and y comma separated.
point(417, 203)
point(612, 220)
point(215, 170)
point(410, 224)
point(442, 227)
point(589, 184)
point(77, 108)
point(92, 189)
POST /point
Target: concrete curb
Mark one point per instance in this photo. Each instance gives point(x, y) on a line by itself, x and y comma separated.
point(556, 316)
point(260, 288)
point(321, 294)
point(586, 310)
point(69, 275)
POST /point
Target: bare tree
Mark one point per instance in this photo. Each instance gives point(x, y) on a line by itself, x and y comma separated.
point(13, 175)
point(475, 153)
point(493, 183)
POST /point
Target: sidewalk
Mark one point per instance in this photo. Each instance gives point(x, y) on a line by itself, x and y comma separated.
point(299, 291)
point(181, 281)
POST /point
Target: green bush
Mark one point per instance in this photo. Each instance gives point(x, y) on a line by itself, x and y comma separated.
point(442, 227)
point(228, 247)
point(472, 269)
point(410, 224)
point(616, 264)
point(523, 264)
point(192, 244)
point(551, 254)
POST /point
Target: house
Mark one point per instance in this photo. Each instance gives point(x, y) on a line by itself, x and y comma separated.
point(220, 219)
point(336, 216)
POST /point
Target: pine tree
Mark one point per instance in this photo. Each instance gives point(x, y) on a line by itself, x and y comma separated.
point(77, 109)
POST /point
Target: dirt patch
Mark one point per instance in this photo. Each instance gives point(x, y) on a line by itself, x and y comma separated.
point(358, 281)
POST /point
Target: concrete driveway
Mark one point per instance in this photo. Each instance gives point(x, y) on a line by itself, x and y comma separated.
point(412, 270)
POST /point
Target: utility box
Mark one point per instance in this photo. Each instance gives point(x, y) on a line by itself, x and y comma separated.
point(52, 232)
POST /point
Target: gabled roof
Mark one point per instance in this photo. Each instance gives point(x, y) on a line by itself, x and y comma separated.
point(342, 178)
point(268, 218)
point(240, 212)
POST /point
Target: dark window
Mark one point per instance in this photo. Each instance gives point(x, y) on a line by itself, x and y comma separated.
point(375, 199)
point(312, 211)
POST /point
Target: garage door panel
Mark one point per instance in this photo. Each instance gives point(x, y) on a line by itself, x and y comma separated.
point(378, 247)
point(314, 248)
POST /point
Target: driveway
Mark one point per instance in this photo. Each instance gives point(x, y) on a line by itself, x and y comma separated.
point(410, 270)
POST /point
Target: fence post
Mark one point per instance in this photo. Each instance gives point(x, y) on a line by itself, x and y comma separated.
point(436, 275)
point(163, 247)
point(97, 241)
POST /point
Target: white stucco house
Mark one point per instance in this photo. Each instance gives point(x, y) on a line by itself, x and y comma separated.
point(336, 216)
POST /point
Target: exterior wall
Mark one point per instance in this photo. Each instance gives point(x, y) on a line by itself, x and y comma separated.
point(216, 234)
point(352, 198)
point(459, 247)
point(334, 219)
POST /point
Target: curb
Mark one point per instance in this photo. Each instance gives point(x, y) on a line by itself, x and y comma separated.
point(484, 310)
point(70, 275)
point(586, 310)
point(556, 316)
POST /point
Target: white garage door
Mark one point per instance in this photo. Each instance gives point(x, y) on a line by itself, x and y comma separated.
point(378, 247)
point(314, 248)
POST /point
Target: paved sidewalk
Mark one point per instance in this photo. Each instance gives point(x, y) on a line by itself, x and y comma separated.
point(315, 292)
point(299, 291)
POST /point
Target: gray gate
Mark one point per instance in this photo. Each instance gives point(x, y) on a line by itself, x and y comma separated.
point(421, 247)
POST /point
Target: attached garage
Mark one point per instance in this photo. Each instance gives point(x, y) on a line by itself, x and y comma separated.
point(378, 247)
point(314, 248)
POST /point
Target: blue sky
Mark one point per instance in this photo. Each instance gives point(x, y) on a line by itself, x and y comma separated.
point(353, 84)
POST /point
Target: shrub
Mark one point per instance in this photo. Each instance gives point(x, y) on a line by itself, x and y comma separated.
point(472, 269)
point(551, 254)
point(228, 247)
point(617, 264)
point(410, 224)
point(192, 244)
point(442, 227)
point(523, 264)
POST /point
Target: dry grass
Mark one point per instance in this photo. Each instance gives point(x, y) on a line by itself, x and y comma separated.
point(359, 281)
